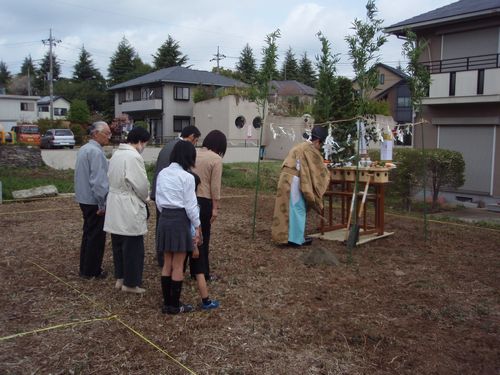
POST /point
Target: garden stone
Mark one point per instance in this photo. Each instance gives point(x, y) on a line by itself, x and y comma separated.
point(38, 192)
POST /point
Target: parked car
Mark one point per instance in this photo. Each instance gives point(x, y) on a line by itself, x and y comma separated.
point(26, 133)
point(58, 138)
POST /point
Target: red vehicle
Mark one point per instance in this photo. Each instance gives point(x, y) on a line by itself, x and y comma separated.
point(27, 133)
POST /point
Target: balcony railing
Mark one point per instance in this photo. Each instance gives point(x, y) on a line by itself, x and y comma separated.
point(461, 64)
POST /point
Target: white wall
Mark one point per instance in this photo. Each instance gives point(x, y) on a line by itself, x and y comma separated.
point(10, 110)
point(492, 82)
point(440, 85)
point(466, 83)
point(221, 113)
point(173, 108)
point(287, 133)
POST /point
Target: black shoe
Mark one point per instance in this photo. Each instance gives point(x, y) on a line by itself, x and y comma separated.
point(102, 275)
point(171, 310)
point(307, 241)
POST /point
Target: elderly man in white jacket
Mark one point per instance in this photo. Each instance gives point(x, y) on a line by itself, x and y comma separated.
point(126, 210)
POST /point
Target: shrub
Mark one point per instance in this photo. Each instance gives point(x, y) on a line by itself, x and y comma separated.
point(445, 168)
point(79, 112)
point(203, 93)
point(78, 132)
point(407, 177)
point(45, 124)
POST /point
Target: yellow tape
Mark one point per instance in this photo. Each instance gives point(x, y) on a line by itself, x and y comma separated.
point(144, 338)
point(64, 325)
point(72, 287)
point(156, 346)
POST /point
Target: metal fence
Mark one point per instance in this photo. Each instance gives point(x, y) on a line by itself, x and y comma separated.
point(461, 64)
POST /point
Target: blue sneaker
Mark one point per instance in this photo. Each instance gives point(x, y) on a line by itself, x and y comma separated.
point(209, 306)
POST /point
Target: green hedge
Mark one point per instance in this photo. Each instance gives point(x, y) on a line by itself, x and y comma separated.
point(442, 168)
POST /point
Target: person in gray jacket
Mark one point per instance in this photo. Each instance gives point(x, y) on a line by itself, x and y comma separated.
point(126, 213)
point(91, 189)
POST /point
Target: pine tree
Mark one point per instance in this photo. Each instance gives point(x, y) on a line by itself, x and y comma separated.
point(27, 67)
point(41, 84)
point(307, 75)
point(169, 54)
point(268, 68)
point(44, 68)
point(84, 69)
point(290, 67)
point(325, 88)
point(246, 66)
point(123, 63)
point(5, 75)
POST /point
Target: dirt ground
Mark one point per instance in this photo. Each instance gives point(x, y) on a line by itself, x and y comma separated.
point(403, 306)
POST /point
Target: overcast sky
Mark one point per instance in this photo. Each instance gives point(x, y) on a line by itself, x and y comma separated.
point(198, 26)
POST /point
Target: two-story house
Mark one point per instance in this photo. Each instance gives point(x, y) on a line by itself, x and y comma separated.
point(164, 98)
point(463, 106)
point(60, 104)
point(17, 108)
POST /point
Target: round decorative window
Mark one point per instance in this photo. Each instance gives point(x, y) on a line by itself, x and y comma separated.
point(240, 122)
point(257, 122)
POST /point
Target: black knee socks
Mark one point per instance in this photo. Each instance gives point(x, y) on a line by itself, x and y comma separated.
point(176, 292)
point(166, 288)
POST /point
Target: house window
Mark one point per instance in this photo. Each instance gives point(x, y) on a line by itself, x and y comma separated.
point(381, 78)
point(180, 122)
point(137, 94)
point(181, 93)
point(60, 111)
point(44, 108)
point(404, 102)
point(149, 93)
point(157, 93)
point(480, 81)
point(453, 82)
point(121, 97)
point(27, 106)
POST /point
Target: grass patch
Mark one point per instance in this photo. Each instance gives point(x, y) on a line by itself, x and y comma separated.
point(244, 175)
point(26, 178)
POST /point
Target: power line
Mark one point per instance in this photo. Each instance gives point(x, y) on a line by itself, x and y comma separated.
point(218, 56)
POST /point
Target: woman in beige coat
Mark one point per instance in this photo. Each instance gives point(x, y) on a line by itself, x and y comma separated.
point(126, 210)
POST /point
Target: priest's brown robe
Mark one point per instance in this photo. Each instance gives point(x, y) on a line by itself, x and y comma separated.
point(314, 180)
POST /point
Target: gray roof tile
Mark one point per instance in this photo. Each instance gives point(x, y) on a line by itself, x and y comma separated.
point(460, 9)
point(179, 74)
point(291, 87)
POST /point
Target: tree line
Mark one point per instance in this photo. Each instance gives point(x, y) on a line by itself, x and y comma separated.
point(88, 84)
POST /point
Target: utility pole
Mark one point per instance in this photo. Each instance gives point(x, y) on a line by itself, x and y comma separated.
point(29, 80)
point(51, 42)
point(218, 56)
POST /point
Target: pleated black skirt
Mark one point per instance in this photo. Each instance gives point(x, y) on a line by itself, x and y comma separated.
point(174, 231)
